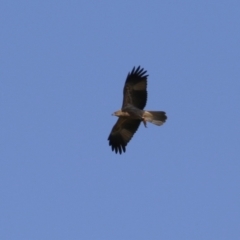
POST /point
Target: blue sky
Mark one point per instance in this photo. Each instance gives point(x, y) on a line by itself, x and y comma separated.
point(63, 67)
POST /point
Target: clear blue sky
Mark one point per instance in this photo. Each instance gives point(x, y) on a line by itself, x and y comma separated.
point(63, 67)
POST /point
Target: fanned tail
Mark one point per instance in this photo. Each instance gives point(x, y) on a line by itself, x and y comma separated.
point(155, 117)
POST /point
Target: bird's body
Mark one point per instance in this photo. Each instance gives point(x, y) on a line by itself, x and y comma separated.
point(132, 114)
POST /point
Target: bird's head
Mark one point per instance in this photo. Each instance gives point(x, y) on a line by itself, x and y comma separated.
point(117, 113)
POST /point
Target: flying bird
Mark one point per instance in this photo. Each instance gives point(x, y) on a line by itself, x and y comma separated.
point(132, 114)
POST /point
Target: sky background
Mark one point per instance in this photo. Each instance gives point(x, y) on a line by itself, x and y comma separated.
point(63, 65)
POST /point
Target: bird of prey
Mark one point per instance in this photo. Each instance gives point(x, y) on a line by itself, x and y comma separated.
point(132, 114)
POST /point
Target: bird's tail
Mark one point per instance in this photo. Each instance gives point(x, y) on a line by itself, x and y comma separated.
point(155, 117)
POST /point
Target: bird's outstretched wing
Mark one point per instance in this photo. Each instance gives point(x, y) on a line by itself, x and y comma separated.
point(135, 89)
point(122, 133)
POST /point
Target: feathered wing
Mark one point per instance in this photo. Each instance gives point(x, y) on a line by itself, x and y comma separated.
point(135, 89)
point(122, 133)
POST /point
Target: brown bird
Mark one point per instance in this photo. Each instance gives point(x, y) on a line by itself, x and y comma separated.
point(132, 114)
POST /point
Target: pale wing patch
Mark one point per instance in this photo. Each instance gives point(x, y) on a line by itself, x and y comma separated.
point(126, 134)
point(127, 98)
point(140, 86)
